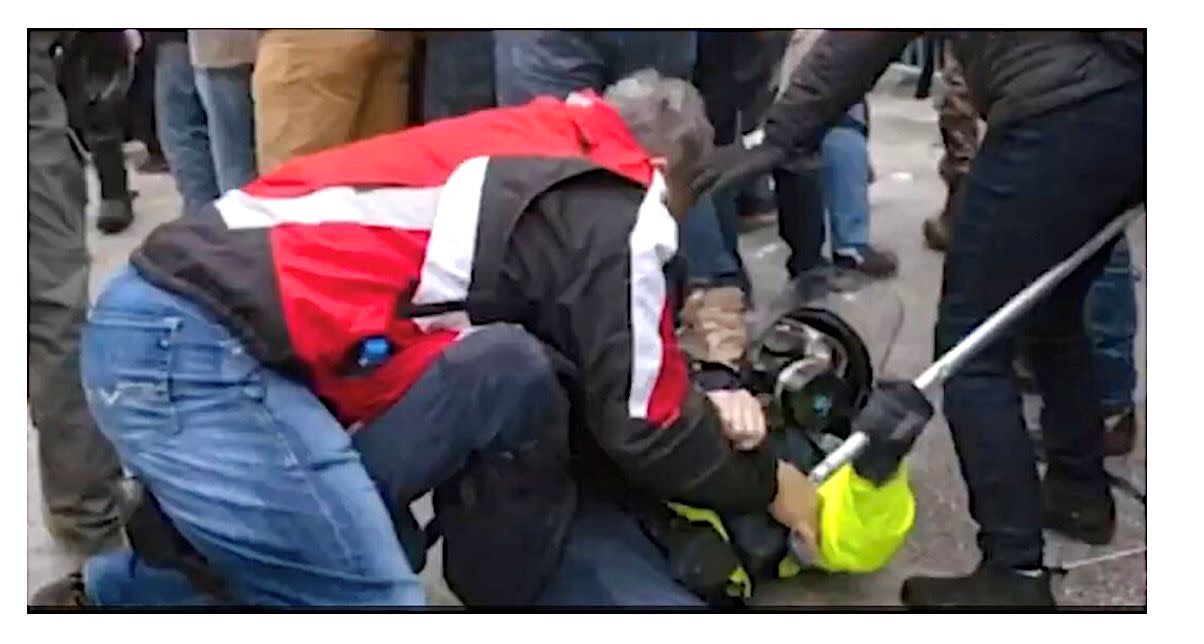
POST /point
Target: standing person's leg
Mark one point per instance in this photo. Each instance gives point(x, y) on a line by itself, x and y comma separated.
point(308, 88)
point(386, 95)
point(142, 112)
point(248, 465)
point(225, 94)
point(799, 198)
point(845, 177)
point(1112, 325)
point(459, 74)
point(544, 62)
point(78, 468)
point(183, 128)
point(105, 137)
point(1013, 221)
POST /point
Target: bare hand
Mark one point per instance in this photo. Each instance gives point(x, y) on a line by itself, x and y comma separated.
point(741, 415)
point(796, 505)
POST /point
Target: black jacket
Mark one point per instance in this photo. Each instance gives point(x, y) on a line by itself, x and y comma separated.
point(570, 260)
point(1011, 75)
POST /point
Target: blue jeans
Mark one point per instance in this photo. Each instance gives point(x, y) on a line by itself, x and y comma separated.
point(225, 94)
point(1038, 189)
point(249, 465)
point(845, 183)
point(710, 237)
point(539, 62)
point(1111, 325)
point(458, 78)
point(183, 126)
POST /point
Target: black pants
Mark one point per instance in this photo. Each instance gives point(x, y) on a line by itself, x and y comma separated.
point(1038, 189)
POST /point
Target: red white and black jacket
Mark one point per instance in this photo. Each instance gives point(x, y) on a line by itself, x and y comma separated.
point(549, 215)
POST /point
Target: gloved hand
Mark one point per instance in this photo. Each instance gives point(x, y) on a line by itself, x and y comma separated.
point(892, 419)
point(730, 164)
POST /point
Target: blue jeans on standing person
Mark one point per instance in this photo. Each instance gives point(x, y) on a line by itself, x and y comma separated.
point(1112, 325)
point(1038, 189)
point(225, 93)
point(556, 62)
point(845, 183)
point(249, 465)
point(183, 126)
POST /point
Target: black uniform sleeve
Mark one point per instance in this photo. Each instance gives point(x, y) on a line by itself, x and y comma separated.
point(611, 312)
point(840, 69)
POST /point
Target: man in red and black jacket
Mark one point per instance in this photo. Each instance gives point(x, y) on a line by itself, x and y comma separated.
point(368, 294)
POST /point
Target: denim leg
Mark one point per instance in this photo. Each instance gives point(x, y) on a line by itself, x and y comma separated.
point(225, 94)
point(1112, 325)
point(544, 62)
point(610, 562)
point(845, 178)
point(458, 78)
point(1038, 189)
point(710, 259)
point(249, 466)
point(183, 128)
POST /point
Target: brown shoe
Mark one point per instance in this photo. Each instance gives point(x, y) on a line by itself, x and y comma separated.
point(67, 592)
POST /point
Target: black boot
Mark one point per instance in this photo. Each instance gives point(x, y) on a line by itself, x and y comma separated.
point(1085, 513)
point(870, 260)
point(986, 587)
point(115, 215)
point(67, 592)
point(1120, 432)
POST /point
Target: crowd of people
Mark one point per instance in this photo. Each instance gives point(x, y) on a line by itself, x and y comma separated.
point(390, 277)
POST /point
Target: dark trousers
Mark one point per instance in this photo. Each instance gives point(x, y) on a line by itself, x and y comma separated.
point(78, 467)
point(457, 74)
point(1038, 190)
point(488, 397)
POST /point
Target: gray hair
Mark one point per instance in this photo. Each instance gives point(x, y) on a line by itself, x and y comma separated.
point(666, 115)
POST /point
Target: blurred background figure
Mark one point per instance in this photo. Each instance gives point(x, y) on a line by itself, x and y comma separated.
point(317, 88)
point(222, 61)
point(958, 122)
point(79, 470)
point(182, 122)
point(95, 70)
point(457, 73)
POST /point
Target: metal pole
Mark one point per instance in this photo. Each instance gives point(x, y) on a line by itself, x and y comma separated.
point(984, 335)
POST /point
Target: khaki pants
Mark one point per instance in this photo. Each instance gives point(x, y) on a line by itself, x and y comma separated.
point(319, 88)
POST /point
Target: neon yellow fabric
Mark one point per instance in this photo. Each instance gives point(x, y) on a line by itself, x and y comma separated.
point(739, 583)
point(861, 526)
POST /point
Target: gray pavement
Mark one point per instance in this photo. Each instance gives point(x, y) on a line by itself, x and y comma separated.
point(905, 149)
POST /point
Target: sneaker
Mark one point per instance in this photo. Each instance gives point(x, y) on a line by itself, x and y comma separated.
point(115, 215)
point(871, 261)
point(986, 587)
point(1120, 432)
point(67, 592)
point(1079, 511)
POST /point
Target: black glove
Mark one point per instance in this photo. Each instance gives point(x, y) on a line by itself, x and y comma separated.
point(730, 164)
point(892, 419)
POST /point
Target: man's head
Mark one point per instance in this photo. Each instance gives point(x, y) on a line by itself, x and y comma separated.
point(668, 118)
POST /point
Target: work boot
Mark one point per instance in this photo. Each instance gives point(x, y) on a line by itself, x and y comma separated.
point(67, 592)
point(1079, 511)
point(1120, 432)
point(986, 587)
point(871, 261)
point(713, 326)
point(115, 215)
